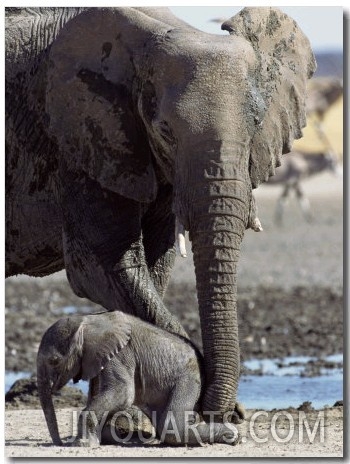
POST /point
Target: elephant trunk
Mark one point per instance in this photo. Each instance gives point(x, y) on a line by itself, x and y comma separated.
point(219, 217)
point(45, 395)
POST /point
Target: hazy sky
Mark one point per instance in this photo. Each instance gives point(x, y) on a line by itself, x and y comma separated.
point(322, 24)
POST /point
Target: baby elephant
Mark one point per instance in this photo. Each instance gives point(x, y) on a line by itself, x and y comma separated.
point(130, 362)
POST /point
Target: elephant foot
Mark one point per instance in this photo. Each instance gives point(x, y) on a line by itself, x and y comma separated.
point(238, 414)
point(126, 426)
point(90, 442)
point(235, 415)
point(232, 437)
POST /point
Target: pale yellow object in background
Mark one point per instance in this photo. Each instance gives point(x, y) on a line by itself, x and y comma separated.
point(333, 128)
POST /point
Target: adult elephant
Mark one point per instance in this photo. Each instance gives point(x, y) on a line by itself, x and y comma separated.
point(120, 119)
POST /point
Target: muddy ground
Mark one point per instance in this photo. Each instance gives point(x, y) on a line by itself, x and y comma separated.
point(290, 299)
point(273, 322)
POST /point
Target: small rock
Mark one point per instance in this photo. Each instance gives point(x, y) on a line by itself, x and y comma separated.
point(338, 403)
point(24, 395)
point(306, 407)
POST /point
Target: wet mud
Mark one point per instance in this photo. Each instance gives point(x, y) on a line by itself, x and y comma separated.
point(272, 322)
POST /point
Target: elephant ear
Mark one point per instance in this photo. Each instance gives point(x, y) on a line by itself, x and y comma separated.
point(101, 336)
point(276, 97)
point(90, 104)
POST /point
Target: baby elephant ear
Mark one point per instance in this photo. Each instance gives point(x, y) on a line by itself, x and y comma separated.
point(276, 90)
point(103, 335)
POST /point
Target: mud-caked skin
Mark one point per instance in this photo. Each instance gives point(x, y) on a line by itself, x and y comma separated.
point(129, 362)
point(120, 121)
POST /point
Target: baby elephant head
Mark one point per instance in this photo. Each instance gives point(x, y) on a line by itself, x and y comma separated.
point(60, 352)
point(76, 348)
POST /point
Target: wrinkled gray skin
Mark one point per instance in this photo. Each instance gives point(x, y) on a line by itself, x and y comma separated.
point(120, 119)
point(133, 363)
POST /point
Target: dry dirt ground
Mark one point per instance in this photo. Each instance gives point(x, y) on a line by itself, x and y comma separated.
point(290, 294)
point(289, 433)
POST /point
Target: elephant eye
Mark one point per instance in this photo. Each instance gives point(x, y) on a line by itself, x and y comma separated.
point(54, 360)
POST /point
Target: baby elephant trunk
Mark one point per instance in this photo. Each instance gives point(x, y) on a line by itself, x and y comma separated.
point(45, 395)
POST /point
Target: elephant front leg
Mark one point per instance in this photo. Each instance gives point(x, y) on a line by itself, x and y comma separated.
point(94, 388)
point(94, 417)
point(104, 253)
point(138, 287)
point(158, 230)
point(117, 393)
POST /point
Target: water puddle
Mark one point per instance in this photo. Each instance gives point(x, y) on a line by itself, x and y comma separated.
point(277, 383)
point(304, 366)
point(269, 392)
point(12, 377)
point(280, 383)
point(67, 310)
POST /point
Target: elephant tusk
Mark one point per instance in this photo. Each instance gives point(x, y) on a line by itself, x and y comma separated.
point(180, 239)
point(256, 225)
point(182, 245)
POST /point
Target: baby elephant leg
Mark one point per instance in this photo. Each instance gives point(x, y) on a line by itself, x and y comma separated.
point(178, 424)
point(92, 419)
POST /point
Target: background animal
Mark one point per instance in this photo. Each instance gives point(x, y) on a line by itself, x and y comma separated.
point(296, 167)
point(118, 120)
point(317, 152)
point(130, 362)
point(322, 94)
